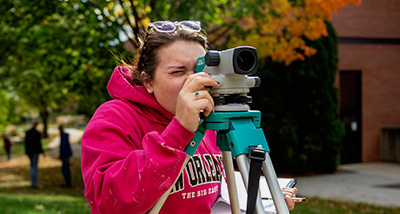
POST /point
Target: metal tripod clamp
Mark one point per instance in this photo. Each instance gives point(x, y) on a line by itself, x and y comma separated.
point(256, 153)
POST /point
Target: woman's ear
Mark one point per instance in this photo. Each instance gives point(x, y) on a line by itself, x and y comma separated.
point(147, 84)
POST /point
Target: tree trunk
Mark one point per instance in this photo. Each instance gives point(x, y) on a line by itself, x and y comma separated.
point(45, 115)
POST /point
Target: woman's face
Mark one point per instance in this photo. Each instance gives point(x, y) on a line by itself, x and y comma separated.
point(177, 62)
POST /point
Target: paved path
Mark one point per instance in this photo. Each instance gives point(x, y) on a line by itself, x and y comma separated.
point(75, 136)
point(372, 183)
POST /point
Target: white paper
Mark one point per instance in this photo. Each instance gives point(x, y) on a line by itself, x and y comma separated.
point(222, 205)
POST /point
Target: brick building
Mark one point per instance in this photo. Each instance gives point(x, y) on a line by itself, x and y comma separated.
point(369, 80)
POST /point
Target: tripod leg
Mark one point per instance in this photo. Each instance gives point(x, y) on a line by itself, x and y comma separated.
point(244, 168)
point(273, 185)
point(230, 176)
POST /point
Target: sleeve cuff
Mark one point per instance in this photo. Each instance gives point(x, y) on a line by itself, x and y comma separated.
point(177, 135)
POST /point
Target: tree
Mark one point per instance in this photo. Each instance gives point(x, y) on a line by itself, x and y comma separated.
point(285, 32)
point(299, 110)
point(57, 51)
point(277, 28)
point(280, 28)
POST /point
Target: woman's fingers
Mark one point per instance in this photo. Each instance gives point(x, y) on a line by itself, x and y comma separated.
point(194, 98)
point(289, 202)
point(288, 194)
point(205, 101)
point(198, 81)
point(289, 191)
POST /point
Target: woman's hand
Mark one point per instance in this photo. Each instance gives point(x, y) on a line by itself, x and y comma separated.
point(288, 194)
point(193, 98)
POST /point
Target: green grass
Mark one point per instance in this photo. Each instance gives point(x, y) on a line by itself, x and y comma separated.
point(40, 203)
point(322, 206)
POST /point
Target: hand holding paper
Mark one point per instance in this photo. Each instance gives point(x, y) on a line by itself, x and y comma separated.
point(222, 205)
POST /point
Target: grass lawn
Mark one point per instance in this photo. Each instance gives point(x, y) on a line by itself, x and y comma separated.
point(16, 196)
point(321, 206)
point(42, 203)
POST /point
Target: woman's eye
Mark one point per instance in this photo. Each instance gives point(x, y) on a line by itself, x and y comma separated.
point(177, 72)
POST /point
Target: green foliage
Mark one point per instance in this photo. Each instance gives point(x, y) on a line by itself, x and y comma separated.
point(299, 108)
point(218, 17)
point(4, 110)
point(9, 110)
point(57, 51)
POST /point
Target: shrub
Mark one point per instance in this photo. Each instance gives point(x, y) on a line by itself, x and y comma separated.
point(299, 106)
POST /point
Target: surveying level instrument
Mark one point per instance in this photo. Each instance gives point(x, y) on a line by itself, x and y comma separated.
point(239, 135)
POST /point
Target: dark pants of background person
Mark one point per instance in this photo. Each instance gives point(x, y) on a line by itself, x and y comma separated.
point(9, 153)
point(66, 171)
point(34, 169)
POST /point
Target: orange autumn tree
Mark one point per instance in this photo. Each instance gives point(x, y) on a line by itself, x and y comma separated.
point(298, 100)
point(278, 28)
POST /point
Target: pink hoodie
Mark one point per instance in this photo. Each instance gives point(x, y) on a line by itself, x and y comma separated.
point(133, 151)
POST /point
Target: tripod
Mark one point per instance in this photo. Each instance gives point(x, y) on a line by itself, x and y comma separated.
point(236, 132)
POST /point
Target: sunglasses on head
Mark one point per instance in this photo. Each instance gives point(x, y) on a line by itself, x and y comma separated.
point(168, 26)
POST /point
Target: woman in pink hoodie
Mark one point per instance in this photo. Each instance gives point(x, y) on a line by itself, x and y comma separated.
point(133, 147)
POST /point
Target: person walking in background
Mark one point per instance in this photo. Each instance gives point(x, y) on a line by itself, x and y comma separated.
point(65, 155)
point(7, 146)
point(33, 147)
